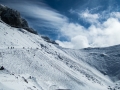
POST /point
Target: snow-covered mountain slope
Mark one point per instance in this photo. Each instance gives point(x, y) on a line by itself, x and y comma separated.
point(10, 81)
point(106, 60)
point(43, 66)
point(10, 37)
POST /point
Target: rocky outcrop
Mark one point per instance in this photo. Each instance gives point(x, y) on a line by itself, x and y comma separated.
point(47, 39)
point(14, 19)
point(1, 68)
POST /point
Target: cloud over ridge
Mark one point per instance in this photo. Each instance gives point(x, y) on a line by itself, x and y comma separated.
point(96, 35)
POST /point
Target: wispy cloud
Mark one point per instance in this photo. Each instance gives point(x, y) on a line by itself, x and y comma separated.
point(40, 11)
point(87, 16)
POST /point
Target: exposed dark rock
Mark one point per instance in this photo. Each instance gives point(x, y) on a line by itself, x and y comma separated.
point(47, 39)
point(30, 30)
point(2, 68)
point(25, 80)
point(14, 19)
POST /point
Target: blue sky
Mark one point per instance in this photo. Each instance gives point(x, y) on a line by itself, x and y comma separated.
point(73, 23)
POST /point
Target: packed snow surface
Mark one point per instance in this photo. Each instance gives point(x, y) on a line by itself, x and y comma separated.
point(33, 64)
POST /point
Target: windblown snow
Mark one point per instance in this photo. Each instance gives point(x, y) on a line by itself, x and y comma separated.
point(33, 64)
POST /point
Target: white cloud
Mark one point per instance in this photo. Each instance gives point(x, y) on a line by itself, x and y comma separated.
point(91, 18)
point(115, 14)
point(79, 42)
point(107, 34)
point(97, 35)
point(72, 29)
point(76, 42)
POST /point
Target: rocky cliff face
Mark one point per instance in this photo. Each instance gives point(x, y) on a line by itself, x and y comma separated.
point(14, 19)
